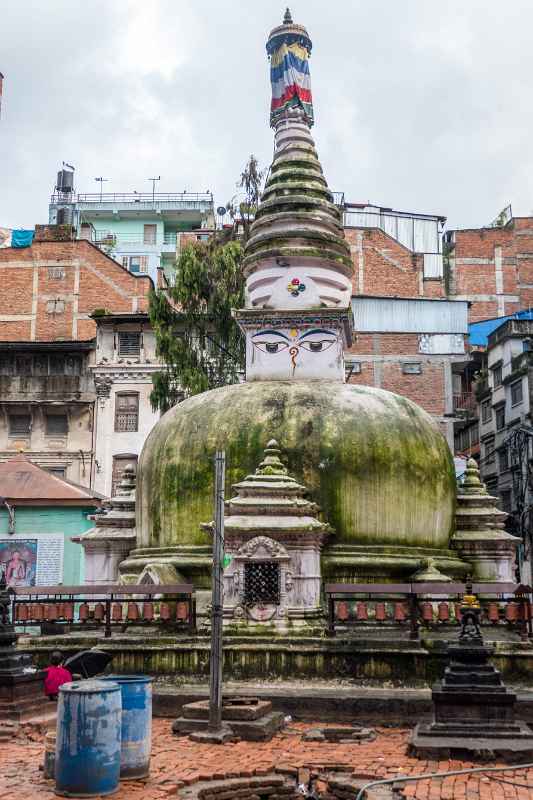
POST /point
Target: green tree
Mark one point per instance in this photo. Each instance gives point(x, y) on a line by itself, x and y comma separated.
point(197, 338)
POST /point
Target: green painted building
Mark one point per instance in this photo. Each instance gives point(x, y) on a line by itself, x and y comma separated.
point(39, 515)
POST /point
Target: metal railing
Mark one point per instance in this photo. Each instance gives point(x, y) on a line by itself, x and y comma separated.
point(58, 609)
point(112, 239)
point(465, 401)
point(136, 197)
point(417, 605)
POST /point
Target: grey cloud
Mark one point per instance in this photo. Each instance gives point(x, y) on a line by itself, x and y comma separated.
point(421, 106)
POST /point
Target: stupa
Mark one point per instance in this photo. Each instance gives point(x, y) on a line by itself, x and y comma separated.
point(273, 542)
point(374, 462)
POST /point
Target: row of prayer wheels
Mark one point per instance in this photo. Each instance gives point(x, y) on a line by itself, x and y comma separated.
point(120, 612)
point(428, 612)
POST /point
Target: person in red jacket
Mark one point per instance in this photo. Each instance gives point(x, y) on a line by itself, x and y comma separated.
point(56, 676)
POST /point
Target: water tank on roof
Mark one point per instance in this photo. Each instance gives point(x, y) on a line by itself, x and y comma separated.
point(65, 215)
point(65, 181)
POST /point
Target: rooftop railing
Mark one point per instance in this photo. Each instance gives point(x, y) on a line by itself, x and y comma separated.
point(135, 197)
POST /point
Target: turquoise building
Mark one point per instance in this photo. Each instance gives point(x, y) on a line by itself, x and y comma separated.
point(39, 515)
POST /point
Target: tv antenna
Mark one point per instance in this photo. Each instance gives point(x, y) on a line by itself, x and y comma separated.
point(154, 180)
point(101, 181)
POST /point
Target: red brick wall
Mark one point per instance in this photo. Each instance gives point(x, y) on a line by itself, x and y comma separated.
point(384, 267)
point(102, 284)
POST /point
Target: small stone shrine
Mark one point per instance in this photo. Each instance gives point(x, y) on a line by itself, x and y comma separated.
point(113, 535)
point(474, 712)
point(480, 537)
point(273, 542)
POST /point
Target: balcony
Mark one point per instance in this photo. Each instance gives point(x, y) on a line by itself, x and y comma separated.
point(165, 243)
point(465, 404)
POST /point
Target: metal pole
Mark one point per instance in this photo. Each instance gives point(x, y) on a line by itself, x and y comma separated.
point(215, 677)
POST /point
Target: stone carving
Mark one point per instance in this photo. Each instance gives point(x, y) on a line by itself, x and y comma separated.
point(262, 548)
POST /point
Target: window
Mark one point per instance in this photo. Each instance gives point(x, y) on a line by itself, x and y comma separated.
point(492, 485)
point(57, 365)
point(516, 393)
point(126, 412)
point(503, 459)
point(497, 376)
point(261, 582)
point(19, 424)
point(135, 263)
point(506, 500)
point(119, 462)
point(23, 365)
point(6, 364)
point(526, 345)
point(59, 472)
point(500, 418)
point(412, 369)
point(489, 451)
point(486, 411)
point(129, 344)
point(150, 234)
point(56, 424)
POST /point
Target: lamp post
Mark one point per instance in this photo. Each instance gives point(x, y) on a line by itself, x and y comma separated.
point(215, 676)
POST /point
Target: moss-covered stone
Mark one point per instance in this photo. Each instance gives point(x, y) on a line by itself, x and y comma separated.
point(374, 461)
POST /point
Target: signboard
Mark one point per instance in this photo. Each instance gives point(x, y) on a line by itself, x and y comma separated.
point(32, 559)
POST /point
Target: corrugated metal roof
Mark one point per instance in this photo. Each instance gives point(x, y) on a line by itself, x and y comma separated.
point(22, 480)
point(401, 315)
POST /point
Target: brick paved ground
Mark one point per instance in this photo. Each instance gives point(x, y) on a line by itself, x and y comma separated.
point(177, 762)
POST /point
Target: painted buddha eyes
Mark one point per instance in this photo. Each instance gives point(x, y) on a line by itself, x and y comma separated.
point(317, 346)
point(317, 340)
point(273, 347)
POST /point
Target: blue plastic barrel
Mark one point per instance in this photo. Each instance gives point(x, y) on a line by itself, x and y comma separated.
point(88, 738)
point(136, 724)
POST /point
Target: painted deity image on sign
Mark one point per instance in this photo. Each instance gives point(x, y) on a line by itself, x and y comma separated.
point(18, 561)
point(288, 353)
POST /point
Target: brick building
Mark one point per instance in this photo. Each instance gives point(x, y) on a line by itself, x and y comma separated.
point(409, 336)
point(492, 268)
point(47, 346)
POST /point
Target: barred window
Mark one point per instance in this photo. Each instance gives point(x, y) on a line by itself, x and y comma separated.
point(127, 412)
point(129, 344)
point(261, 582)
point(56, 424)
point(486, 411)
point(19, 424)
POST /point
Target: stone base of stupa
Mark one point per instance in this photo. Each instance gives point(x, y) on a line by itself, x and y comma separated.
point(247, 718)
point(512, 744)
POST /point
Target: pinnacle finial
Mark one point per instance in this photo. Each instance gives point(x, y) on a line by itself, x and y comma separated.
point(272, 464)
point(287, 19)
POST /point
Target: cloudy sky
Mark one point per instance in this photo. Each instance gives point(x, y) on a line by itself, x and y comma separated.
point(420, 105)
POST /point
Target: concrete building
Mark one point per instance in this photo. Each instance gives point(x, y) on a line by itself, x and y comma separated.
point(50, 291)
point(504, 391)
point(125, 360)
point(140, 230)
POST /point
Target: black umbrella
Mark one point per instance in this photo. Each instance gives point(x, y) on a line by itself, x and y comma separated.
point(88, 662)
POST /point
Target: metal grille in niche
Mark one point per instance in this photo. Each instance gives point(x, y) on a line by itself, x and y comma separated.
point(261, 582)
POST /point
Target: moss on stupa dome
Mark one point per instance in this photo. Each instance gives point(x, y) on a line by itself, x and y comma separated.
point(375, 462)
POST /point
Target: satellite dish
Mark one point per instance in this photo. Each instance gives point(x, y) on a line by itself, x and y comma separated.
point(221, 210)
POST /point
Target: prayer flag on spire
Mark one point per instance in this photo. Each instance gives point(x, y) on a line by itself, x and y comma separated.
point(289, 47)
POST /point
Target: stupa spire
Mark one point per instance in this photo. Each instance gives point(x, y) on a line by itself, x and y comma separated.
point(297, 263)
point(287, 19)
